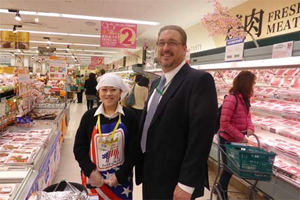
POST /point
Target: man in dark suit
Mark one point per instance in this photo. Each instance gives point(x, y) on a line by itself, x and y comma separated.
point(175, 141)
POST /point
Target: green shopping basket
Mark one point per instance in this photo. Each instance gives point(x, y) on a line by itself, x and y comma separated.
point(250, 162)
point(73, 88)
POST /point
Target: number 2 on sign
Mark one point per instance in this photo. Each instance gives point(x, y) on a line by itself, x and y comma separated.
point(127, 36)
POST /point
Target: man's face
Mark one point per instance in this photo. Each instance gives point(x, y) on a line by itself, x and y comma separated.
point(170, 52)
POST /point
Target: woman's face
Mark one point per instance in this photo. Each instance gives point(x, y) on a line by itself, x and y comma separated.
point(109, 95)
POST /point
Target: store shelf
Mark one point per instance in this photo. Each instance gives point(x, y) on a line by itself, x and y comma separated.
point(253, 64)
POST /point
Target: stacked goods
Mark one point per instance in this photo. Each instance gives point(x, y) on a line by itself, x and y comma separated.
point(21, 147)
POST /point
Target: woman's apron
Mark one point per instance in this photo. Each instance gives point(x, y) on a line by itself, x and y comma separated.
point(109, 160)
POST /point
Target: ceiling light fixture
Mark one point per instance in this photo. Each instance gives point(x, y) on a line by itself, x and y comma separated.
point(15, 28)
point(62, 43)
point(18, 16)
point(36, 19)
point(48, 47)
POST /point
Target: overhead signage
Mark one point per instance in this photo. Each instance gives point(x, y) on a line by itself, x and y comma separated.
point(234, 49)
point(7, 70)
point(97, 61)
point(11, 40)
point(282, 50)
point(24, 80)
point(5, 60)
point(44, 51)
point(118, 35)
point(58, 68)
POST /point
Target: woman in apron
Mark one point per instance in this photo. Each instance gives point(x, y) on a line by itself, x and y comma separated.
point(106, 141)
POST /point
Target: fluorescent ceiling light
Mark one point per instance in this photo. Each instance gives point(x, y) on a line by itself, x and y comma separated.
point(109, 19)
point(46, 42)
point(83, 35)
point(4, 11)
point(100, 51)
point(49, 14)
point(94, 55)
point(90, 45)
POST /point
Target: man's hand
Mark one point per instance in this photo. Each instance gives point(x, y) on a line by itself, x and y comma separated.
point(180, 194)
point(96, 180)
point(111, 181)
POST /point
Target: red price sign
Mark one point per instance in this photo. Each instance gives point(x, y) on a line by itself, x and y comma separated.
point(118, 35)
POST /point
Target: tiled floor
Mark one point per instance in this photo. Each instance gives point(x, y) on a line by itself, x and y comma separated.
point(68, 167)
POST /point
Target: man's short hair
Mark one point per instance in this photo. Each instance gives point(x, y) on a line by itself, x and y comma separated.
point(175, 28)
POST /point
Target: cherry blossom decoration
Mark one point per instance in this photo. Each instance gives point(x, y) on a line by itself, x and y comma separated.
point(222, 22)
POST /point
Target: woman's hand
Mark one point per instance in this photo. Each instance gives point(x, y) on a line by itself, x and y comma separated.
point(96, 180)
point(244, 140)
point(249, 132)
point(111, 181)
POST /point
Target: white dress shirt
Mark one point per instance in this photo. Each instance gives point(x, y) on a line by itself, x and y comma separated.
point(118, 110)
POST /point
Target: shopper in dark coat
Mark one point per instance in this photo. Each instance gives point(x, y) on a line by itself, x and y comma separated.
point(90, 90)
point(179, 138)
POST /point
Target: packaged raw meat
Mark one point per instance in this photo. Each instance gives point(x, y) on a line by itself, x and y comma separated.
point(276, 81)
point(286, 82)
point(296, 83)
point(7, 189)
point(3, 156)
point(280, 72)
point(6, 146)
point(291, 72)
point(18, 158)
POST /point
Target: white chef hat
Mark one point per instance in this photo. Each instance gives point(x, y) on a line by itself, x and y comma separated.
point(110, 79)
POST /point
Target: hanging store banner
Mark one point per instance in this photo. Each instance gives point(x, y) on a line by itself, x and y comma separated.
point(7, 70)
point(97, 61)
point(44, 51)
point(58, 68)
point(19, 40)
point(234, 49)
point(5, 60)
point(282, 50)
point(24, 80)
point(118, 35)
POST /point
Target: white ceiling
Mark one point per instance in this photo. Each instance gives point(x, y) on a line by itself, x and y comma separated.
point(184, 13)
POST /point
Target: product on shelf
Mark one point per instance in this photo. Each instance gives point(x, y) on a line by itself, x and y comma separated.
point(21, 147)
point(6, 189)
point(43, 114)
point(18, 158)
point(275, 110)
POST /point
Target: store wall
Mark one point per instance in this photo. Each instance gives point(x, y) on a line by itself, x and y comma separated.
point(269, 18)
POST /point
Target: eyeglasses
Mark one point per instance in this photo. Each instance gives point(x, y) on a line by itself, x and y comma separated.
point(170, 43)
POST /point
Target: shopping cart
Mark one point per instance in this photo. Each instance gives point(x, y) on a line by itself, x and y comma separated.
point(245, 162)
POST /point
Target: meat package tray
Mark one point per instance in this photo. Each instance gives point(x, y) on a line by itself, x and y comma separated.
point(7, 189)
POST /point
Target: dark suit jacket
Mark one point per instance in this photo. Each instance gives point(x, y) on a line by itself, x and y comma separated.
point(179, 137)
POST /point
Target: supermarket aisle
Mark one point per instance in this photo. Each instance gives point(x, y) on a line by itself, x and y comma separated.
point(68, 167)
